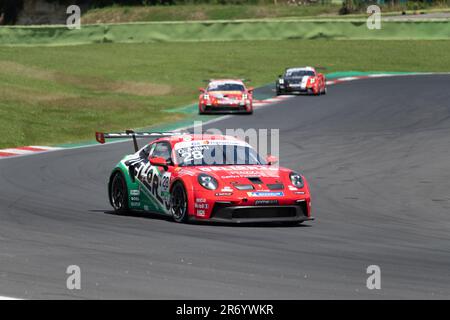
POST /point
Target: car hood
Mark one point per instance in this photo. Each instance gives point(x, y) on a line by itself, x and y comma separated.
point(297, 79)
point(243, 174)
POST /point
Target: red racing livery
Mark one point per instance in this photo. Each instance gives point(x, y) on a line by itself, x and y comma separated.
point(208, 178)
point(226, 96)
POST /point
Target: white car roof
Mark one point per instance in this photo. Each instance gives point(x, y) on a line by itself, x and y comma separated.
point(219, 82)
point(300, 69)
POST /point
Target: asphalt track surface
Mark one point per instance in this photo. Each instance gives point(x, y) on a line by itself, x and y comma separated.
point(376, 153)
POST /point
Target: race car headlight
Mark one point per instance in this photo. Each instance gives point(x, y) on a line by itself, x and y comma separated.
point(244, 96)
point(296, 180)
point(313, 80)
point(281, 81)
point(206, 96)
point(208, 182)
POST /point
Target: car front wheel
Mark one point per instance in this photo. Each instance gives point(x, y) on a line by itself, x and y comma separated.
point(179, 203)
point(118, 193)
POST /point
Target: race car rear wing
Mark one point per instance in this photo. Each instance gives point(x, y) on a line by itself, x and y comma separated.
point(101, 136)
point(210, 80)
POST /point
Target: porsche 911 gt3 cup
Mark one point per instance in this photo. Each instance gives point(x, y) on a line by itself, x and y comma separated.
point(207, 178)
point(301, 80)
point(225, 96)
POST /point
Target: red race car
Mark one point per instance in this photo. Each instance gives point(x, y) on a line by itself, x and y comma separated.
point(225, 96)
point(301, 80)
point(208, 178)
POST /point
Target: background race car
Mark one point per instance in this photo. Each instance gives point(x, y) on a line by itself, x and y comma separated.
point(206, 177)
point(226, 96)
point(301, 80)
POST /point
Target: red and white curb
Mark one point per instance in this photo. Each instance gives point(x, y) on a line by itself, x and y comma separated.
point(259, 103)
point(22, 151)
point(345, 79)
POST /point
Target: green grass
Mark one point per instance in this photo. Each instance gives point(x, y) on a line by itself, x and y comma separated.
point(64, 94)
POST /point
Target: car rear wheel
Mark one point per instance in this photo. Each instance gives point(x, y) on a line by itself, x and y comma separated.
point(178, 201)
point(118, 193)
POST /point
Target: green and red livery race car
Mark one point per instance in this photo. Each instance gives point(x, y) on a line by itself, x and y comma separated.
point(205, 177)
point(225, 96)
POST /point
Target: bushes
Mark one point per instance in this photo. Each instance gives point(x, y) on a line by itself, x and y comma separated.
point(359, 6)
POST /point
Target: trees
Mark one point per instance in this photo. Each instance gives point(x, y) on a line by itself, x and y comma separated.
point(9, 10)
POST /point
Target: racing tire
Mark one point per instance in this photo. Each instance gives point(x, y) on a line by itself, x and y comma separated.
point(118, 193)
point(179, 203)
point(291, 223)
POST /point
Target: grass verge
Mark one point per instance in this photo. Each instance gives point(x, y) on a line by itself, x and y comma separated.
point(199, 12)
point(63, 94)
point(118, 14)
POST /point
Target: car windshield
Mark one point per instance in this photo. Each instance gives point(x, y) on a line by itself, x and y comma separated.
point(299, 73)
point(206, 154)
point(226, 87)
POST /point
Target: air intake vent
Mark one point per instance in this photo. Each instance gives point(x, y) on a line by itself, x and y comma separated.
point(255, 180)
point(275, 186)
point(244, 187)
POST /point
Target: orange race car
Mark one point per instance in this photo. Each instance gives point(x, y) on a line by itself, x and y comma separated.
point(226, 96)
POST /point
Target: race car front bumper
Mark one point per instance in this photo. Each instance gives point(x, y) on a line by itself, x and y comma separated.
point(228, 213)
point(225, 109)
point(287, 90)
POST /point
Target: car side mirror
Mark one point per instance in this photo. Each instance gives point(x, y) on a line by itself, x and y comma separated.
point(159, 162)
point(202, 90)
point(271, 159)
point(250, 90)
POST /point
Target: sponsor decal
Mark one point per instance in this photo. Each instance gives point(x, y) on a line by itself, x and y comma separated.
point(224, 194)
point(299, 192)
point(239, 170)
point(155, 184)
point(265, 194)
point(201, 213)
point(201, 206)
point(135, 192)
point(203, 143)
point(266, 202)
point(200, 200)
point(231, 177)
